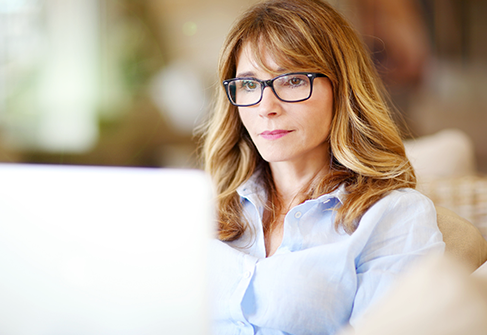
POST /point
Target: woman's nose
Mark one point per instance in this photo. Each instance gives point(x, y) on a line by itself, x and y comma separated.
point(270, 105)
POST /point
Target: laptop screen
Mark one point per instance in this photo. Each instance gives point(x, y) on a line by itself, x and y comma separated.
point(98, 250)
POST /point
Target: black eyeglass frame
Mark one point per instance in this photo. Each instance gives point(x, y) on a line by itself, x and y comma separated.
point(270, 83)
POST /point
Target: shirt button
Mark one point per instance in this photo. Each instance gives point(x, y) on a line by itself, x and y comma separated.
point(240, 324)
point(297, 215)
point(247, 274)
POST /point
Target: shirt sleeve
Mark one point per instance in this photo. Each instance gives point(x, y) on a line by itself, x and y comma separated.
point(394, 233)
point(230, 274)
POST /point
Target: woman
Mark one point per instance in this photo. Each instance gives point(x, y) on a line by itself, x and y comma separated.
point(316, 208)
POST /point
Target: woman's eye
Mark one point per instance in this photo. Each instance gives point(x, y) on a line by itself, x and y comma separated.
point(295, 81)
point(249, 85)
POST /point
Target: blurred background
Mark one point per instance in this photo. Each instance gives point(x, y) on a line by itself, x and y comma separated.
point(124, 82)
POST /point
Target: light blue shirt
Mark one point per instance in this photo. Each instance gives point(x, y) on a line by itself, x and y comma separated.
point(319, 279)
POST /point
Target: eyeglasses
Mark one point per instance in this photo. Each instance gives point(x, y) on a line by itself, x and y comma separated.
point(290, 87)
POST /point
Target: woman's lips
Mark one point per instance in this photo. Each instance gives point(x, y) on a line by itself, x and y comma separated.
point(274, 134)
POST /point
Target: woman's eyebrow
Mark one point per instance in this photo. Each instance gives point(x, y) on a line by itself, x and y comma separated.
point(251, 74)
point(246, 74)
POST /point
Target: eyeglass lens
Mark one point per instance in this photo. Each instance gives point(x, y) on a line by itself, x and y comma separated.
point(293, 87)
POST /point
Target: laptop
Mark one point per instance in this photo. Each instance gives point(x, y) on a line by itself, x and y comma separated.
point(103, 250)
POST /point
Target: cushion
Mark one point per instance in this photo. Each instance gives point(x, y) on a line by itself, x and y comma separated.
point(448, 153)
point(481, 271)
point(436, 297)
point(466, 196)
point(463, 240)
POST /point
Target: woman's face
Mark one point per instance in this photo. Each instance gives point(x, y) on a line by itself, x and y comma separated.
point(283, 131)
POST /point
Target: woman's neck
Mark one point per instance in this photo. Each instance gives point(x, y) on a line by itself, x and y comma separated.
point(291, 185)
point(293, 182)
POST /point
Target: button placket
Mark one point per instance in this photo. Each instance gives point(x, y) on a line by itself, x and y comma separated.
point(249, 263)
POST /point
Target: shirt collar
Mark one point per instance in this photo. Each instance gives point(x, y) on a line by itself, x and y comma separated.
point(253, 187)
point(340, 193)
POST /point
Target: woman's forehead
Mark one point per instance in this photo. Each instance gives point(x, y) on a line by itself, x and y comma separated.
point(250, 58)
point(258, 56)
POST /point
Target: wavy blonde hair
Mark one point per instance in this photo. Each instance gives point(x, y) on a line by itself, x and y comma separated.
point(366, 150)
